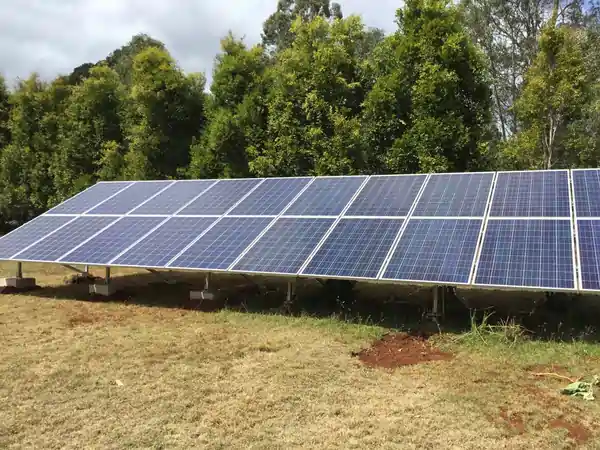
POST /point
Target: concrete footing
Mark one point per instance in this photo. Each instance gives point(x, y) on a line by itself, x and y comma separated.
point(203, 295)
point(17, 283)
point(105, 290)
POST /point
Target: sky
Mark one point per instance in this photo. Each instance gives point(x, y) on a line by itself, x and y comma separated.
point(52, 37)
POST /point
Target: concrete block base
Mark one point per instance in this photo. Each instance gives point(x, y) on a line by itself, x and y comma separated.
point(105, 290)
point(17, 283)
point(202, 295)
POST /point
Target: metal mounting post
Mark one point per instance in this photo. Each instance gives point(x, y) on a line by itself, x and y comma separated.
point(438, 301)
point(19, 270)
point(291, 292)
point(107, 275)
point(86, 270)
point(207, 280)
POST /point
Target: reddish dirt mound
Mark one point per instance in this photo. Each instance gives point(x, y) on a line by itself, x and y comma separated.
point(577, 432)
point(400, 349)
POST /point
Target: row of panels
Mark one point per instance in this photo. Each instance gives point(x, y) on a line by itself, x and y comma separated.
point(529, 253)
point(516, 194)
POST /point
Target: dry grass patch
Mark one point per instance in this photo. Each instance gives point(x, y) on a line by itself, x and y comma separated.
point(77, 374)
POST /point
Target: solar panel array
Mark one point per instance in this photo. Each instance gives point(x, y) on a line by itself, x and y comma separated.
point(526, 230)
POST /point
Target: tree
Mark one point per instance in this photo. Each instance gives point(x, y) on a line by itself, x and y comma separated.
point(277, 34)
point(165, 112)
point(92, 117)
point(429, 109)
point(314, 102)
point(554, 95)
point(236, 113)
point(4, 114)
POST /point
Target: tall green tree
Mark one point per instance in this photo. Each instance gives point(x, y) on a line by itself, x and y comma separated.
point(556, 90)
point(429, 108)
point(314, 102)
point(165, 113)
point(4, 114)
point(236, 112)
point(93, 117)
point(277, 34)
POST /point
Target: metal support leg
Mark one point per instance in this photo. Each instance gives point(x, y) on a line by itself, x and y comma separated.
point(19, 270)
point(439, 301)
point(291, 292)
point(107, 275)
point(207, 280)
point(86, 270)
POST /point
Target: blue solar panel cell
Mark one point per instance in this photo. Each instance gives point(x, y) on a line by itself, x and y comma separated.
point(326, 197)
point(125, 201)
point(164, 243)
point(387, 196)
point(220, 198)
point(68, 237)
point(285, 246)
point(89, 198)
point(31, 232)
point(174, 197)
point(586, 189)
point(271, 197)
point(457, 195)
point(222, 244)
point(532, 194)
point(104, 247)
point(435, 250)
point(527, 253)
point(356, 248)
point(589, 253)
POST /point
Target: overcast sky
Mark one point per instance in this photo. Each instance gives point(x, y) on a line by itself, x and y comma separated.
point(52, 37)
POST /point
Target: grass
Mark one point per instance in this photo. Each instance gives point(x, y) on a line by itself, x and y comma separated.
point(80, 374)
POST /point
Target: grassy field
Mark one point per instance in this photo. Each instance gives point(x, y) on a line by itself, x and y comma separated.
point(129, 374)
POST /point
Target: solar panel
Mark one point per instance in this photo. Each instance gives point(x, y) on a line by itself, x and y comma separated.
point(586, 189)
point(271, 197)
point(285, 246)
point(27, 234)
point(457, 195)
point(589, 253)
point(101, 249)
point(164, 243)
point(356, 248)
point(222, 244)
point(71, 235)
point(435, 250)
point(220, 198)
point(174, 197)
point(128, 199)
point(387, 196)
point(532, 194)
point(326, 197)
point(527, 253)
point(89, 198)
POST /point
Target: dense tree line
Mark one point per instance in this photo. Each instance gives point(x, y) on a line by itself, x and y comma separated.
point(473, 85)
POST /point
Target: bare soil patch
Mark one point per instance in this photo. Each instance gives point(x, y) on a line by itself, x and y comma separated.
point(401, 349)
point(576, 431)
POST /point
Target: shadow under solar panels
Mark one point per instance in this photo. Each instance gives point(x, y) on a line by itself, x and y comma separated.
point(356, 248)
point(527, 253)
point(435, 251)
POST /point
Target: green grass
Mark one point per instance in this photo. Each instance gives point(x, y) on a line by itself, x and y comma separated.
point(143, 373)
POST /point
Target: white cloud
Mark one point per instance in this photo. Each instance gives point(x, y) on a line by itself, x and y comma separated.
point(55, 36)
